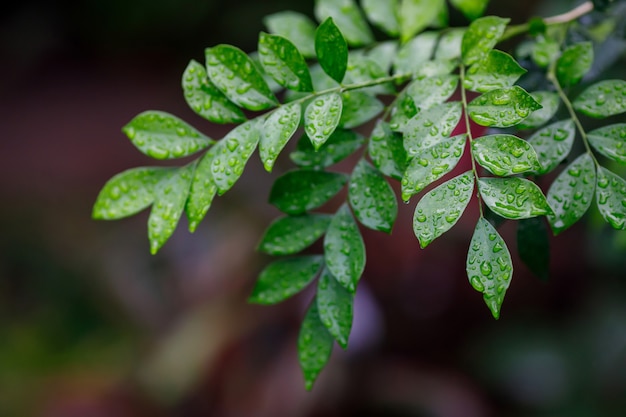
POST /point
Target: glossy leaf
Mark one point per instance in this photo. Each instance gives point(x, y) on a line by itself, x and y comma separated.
point(202, 192)
point(332, 50)
point(415, 52)
point(442, 207)
point(296, 27)
point(383, 14)
point(127, 193)
point(344, 250)
point(435, 67)
point(417, 15)
point(236, 75)
point(430, 127)
point(533, 246)
point(513, 198)
point(550, 104)
point(545, 51)
point(361, 70)
point(291, 234)
point(503, 107)
point(321, 118)
point(315, 345)
point(163, 136)
point(610, 141)
point(348, 18)
point(449, 45)
point(301, 190)
point(207, 100)
point(335, 307)
point(505, 155)
point(480, 38)
point(611, 198)
point(383, 54)
point(431, 164)
point(372, 198)
point(571, 193)
point(341, 144)
point(386, 151)
point(497, 70)
point(603, 99)
point(489, 266)
point(284, 63)
point(278, 128)
point(284, 278)
point(574, 63)
point(358, 108)
point(553, 143)
point(472, 9)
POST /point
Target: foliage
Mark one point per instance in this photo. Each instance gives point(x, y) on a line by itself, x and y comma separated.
point(415, 91)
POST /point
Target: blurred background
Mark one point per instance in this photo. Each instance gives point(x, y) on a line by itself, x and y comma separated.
point(92, 325)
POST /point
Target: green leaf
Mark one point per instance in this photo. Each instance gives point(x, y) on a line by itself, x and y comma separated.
point(383, 54)
point(361, 70)
point(372, 198)
point(430, 127)
point(553, 143)
point(232, 153)
point(472, 9)
point(489, 266)
point(449, 45)
point(170, 195)
point(505, 154)
point(611, 198)
point(205, 99)
point(417, 15)
point(387, 151)
point(163, 136)
point(503, 107)
point(441, 208)
point(321, 118)
point(574, 63)
point(284, 63)
point(315, 345)
point(545, 51)
point(571, 193)
point(431, 164)
point(296, 27)
point(513, 198)
point(291, 234)
point(603, 99)
point(201, 193)
point(278, 128)
point(383, 14)
point(480, 38)
point(533, 246)
point(332, 50)
point(344, 250)
point(335, 307)
point(550, 104)
point(609, 141)
point(358, 108)
point(348, 18)
point(301, 190)
point(127, 193)
point(414, 53)
point(497, 70)
point(341, 144)
point(283, 278)
point(236, 75)
point(435, 67)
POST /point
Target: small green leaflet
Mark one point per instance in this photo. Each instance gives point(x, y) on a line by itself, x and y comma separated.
point(550, 104)
point(387, 151)
point(301, 190)
point(315, 345)
point(442, 207)
point(344, 250)
point(505, 154)
point(383, 14)
point(574, 63)
point(472, 9)
point(127, 193)
point(513, 198)
point(415, 52)
point(361, 70)
point(431, 164)
point(553, 143)
point(236, 75)
point(489, 266)
point(449, 45)
point(383, 54)
point(430, 127)
point(611, 198)
point(332, 50)
point(205, 99)
point(296, 27)
point(358, 108)
point(609, 141)
point(372, 198)
point(435, 67)
point(503, 107)
point(335, 307)
point(170, 196)
point(278, 128)
point(603, 99)
point(497, 70)
point(480, 38)
point(201, 193)
point(291, 234)
point(321, 118)
point(341, 144)
point(417, 15)
point(231, 154)
point(533, 246)
point(349, 19)
point(545, 51)
point(163, 136)
point(571, 193)
point(284, 63)
point(285, 277)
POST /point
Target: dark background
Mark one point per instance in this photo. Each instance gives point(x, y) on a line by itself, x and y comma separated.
point(92, 325)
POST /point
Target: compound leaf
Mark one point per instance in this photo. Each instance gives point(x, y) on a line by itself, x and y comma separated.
point(202, 192)
point(341, 144)
point(472, 9)
point(387, 151)
point(284, 63)
point(553, 143)
point(417, 15)
point(611, 198)
point(550, 104)
point(503, 107)
point(358, 108)
point(291, 234)
point(349, 19)
point(321, 118)
point(533, 246)
point(609, 141)
point(296, 27)
point(315, 344)
point(574, 63)
point(603, 99)
point(513, 198)
point(335, 307)
point(430, 127)
point(480, 38)
point(505, 154)
point(497, 70)
point(278, 128)
point(298, 191)
point(383, 14)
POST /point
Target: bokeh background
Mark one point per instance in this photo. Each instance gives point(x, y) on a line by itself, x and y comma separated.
point(92, 325)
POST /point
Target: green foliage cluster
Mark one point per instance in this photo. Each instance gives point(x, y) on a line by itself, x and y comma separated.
point(334, 77)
